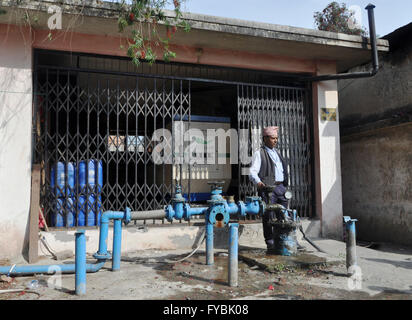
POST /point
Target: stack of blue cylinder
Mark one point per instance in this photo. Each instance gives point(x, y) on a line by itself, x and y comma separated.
point(90, 199)
point(59, 189)
point(83, 193)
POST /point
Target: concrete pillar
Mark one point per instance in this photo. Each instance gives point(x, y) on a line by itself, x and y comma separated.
point(328, 179)
point(15, 137)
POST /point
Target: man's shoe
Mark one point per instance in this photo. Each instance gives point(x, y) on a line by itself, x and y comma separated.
point(270, 244)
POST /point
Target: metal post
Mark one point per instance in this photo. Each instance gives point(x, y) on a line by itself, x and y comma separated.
point(117, 244)
point(233, 255)
point(209, 244)
point(80, 263)
point(350, 243)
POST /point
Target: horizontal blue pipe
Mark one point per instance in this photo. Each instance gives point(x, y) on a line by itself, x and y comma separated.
point(232, 208)
point(50, 269)
point(108, 215)
point(102, 253)
point(104, 229)
point(252, 208)
point(183, 211)
point(197, 211)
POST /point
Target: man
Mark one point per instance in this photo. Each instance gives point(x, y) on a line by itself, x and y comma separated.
point(269, 168)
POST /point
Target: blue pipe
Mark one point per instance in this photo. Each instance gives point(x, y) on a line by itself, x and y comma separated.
point(232, 208)
point(50, 269)
point(209, 244)
point(217, 206)
point(104, 230)
point(233, 254)
point(196, 211)
point(117, 244)
point(80, 263)
point(102, 255)
point(253, 207)
point(180, 210)
point(350, 243)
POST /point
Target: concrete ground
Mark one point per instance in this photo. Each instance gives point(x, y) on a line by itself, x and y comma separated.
point(386, 273)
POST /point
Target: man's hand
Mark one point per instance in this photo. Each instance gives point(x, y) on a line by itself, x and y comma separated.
point(260, 185)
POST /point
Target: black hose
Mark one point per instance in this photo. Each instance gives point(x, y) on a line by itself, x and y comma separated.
point(310, 241)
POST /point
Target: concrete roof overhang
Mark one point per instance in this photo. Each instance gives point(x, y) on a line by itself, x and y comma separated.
point(99, 18)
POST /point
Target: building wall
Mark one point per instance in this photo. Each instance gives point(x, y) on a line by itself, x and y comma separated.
point(328, 182)
point(386, 95)
point(377, 180)
point(15, 138)
point(376, 126)
point(16, 126)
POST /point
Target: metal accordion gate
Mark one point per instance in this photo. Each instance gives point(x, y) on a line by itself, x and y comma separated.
point(93, 129)
point(289, 108)
point(93, 133)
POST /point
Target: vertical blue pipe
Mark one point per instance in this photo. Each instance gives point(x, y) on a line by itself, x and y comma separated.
point(209, 244)
point(104, 232)
point(80, 263)
point(117, 244)
point(351, 244)
point(233, 254)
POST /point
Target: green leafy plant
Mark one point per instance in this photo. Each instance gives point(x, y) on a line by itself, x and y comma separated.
point(336, 18)
point(144, 17)
point(279, 267)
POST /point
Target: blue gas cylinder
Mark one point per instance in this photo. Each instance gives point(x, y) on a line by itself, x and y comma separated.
point(91, 173)
point(59, 178)
point(64, 213)
point(91, 209)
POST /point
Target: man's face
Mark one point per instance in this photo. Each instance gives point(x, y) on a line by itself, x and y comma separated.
point(271, 141)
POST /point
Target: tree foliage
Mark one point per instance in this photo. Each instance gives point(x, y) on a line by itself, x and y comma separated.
point(143, 18)
point(338, 18)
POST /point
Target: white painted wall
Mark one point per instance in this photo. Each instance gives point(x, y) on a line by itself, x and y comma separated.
point(15, 139)
point(169, 237)
point(328, 162)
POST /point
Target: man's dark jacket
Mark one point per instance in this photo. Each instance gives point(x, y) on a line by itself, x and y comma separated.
point(267, 167)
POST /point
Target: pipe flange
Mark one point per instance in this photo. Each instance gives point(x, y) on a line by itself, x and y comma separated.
point(170, 213)
point(127, 216)
point(186, 210)
point(242, 208)
point(218, 214)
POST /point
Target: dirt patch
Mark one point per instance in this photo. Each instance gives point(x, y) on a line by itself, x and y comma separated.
point(277, 263)
point(257, 283)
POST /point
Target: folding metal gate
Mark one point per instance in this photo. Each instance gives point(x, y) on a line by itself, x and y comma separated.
point(287, 107)
point(93, 138)
point(93, 128)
